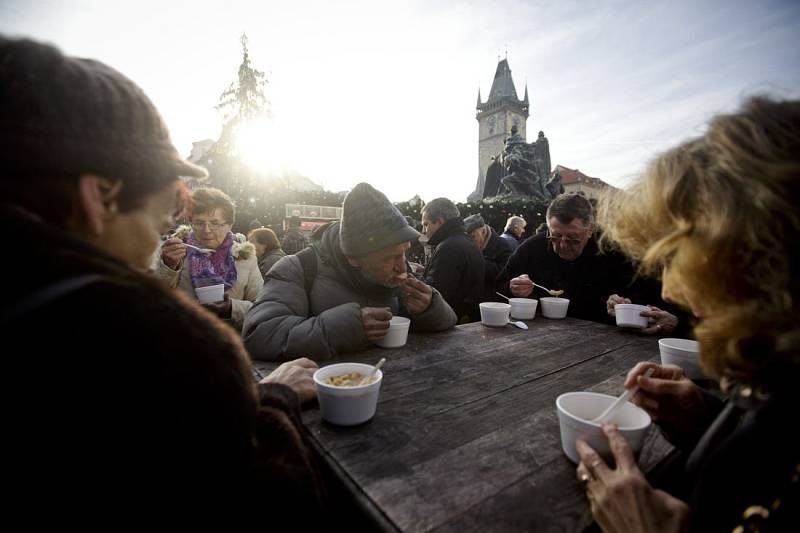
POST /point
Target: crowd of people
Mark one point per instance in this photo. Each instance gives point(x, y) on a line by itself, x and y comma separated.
point(151, 388)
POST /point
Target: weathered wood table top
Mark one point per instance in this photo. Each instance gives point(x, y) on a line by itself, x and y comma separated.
point(466, 435)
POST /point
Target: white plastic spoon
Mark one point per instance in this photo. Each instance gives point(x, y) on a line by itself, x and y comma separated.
point(608, 413)
point(551, 293)
point(201, 250)
point(548, 291)
point(366, 378)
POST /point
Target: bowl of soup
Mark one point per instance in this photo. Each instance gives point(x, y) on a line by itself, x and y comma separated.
point(345, 399)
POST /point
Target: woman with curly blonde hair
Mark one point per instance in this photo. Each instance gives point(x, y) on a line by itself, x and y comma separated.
point(719, 219)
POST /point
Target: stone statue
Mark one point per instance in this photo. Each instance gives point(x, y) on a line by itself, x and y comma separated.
point(494, 174)
point(541, 156)
point(553, 186)
point(522, 170)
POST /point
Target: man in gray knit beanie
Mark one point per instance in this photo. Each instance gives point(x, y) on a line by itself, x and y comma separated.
point(340, 295)
point(371, 222)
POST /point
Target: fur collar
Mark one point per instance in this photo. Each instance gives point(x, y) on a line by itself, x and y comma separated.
point(241, 249)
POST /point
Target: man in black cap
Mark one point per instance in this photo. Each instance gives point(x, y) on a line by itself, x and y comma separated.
point(340, 295)
point(495, 249)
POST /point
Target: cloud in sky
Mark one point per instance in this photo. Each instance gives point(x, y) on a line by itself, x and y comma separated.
point(385, 91)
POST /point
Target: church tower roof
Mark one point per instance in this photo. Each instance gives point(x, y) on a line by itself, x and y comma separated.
point(503, 84)
point(503, 92)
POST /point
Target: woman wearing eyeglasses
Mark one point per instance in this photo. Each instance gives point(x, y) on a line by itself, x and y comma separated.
point(229, 260)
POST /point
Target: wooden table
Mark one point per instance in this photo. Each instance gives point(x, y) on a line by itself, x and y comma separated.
point(466, 435)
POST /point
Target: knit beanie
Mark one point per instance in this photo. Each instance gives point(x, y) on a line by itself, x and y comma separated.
point(473, 222)
point(66, 116)
point(370, 222)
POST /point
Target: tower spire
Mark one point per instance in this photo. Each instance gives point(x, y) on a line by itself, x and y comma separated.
point(502, 113)
point(503, 84)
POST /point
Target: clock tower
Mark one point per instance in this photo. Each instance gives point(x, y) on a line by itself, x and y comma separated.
point(502, 111)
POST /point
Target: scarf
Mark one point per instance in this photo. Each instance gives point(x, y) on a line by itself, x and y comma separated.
point(212, 269)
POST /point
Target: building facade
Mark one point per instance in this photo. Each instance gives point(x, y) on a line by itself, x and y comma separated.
point(574, 180)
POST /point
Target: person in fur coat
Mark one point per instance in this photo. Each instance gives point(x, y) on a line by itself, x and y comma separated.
point(229, 259)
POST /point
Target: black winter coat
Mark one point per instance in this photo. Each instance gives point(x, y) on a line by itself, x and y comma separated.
point(495, 255)
point(587, 282)
point(456, 269)
point(745, 469)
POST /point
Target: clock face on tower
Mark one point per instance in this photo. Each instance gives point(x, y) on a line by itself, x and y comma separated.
point(492, 124)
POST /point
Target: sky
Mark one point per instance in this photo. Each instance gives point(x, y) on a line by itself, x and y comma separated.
point(385, 92)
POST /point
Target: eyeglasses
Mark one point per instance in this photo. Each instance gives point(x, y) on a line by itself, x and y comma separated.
point(563, 238)
point(213, 224)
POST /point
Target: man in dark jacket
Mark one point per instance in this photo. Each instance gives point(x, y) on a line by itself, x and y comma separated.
point(456, 267)
point(567, 258)
point(495, 249)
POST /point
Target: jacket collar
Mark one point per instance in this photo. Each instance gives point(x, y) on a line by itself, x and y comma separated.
point(454, 226)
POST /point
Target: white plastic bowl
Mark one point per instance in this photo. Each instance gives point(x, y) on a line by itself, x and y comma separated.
point(684, 353)
point(494, 313)
point(347, 406)
point(554, 307)
point(523, 308)
point(397, 334)
point(211, 294)
point(575, 409)
point(628, 316)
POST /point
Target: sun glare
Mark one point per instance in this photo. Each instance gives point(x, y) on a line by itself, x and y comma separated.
point(260, 146)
